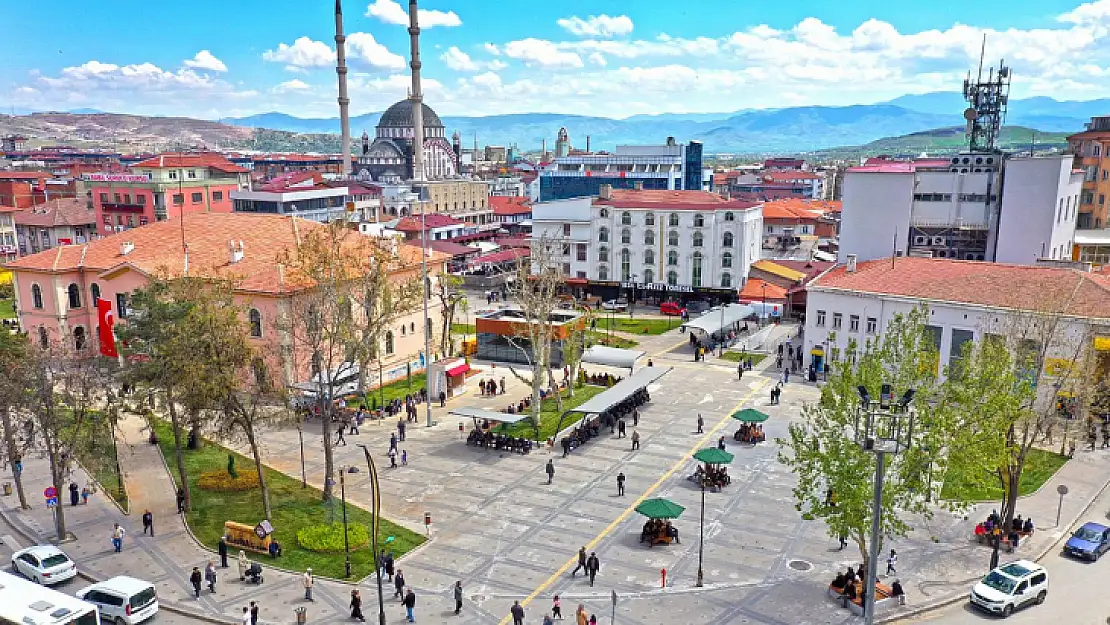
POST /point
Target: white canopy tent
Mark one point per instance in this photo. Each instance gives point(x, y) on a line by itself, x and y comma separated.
point(621, 390)
point(489, 415)
point(612, 356)
point(717, 320)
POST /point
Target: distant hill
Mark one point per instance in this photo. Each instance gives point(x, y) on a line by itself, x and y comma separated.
point(948, 140)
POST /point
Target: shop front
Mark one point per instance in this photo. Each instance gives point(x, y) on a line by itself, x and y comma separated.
point(655, 293)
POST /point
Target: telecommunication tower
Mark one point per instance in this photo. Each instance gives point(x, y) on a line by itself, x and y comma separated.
point(987, 99)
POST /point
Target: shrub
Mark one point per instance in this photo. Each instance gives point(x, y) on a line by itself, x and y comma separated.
point(222, 481)
point(329, 538)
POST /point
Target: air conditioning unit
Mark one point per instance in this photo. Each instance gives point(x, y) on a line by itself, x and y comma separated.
point(920, 240)
point(938, 240)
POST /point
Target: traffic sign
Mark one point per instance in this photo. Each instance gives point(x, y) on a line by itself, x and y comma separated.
point(50, 492)
point(51, 502)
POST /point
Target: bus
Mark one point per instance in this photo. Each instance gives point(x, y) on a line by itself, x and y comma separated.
point(23, 602)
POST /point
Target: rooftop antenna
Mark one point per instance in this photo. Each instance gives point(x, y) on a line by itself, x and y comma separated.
point(987, 100)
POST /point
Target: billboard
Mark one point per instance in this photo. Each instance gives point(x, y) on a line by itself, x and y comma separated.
point(116, 177)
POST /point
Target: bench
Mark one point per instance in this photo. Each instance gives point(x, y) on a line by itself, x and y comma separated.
point(983, 539)
point(659, 539)
point(884, 597)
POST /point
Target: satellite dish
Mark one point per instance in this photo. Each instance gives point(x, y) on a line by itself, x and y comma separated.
point(971, 114)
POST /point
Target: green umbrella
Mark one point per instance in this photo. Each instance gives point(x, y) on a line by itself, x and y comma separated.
point(660, 509)
point(712, 455)
point(750, 415)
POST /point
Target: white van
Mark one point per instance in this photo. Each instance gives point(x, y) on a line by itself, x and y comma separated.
point(122, 600)
point(1010, 587)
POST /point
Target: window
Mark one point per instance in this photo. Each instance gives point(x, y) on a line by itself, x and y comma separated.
point(192, 174)
point(217, 196)
point(726, 281)
point(603, 213)
point(36, 296)
point(672, 238)
point(699, 221)
point(581, 252)
point(726, 241)
point(79, 338)
point(121, 305)
point(649, 276)
point(389, 343)
point(695, 274)
point(626, 218)
point(834, 354)
point(603, 235)
point(838, 320)
point(566, 230)
point(872, 325)
point(103, 198)
point(402, 329)
point(566, 249)
point(626, 236)
point(672, 258)
point(726, 259)
point(173, 175)
point(649, 257)
point(853, 323)
point(674, 220)
point(649, 237)
point(602, 273)
point(178, 198)
point(118, 200)
point(626, 264)
point(820, 321)
point(74, 293)
point(95, 291)
point(44, 338)
point(649, 219)
point(698, 239)
point(197, 198)
point(603, 254)
point(255, 318)
point(672, 278)
point(770, 229)
point(730, 217)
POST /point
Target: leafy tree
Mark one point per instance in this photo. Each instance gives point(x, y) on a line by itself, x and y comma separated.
point(451, 302)
point(14, 382)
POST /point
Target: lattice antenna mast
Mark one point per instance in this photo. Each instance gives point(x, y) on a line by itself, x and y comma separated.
point(987, 99)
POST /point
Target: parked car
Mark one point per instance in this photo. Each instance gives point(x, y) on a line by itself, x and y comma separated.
point(122, 600)
point(615, 304)
point(671, 308)
point(1089, 542)
point(697, 307)
point(1011, 587)
point(44, 564)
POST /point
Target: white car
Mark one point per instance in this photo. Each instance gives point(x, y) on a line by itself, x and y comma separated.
point(122, 600)
point(44, 564)
point(615, 304)
point(1010, 587)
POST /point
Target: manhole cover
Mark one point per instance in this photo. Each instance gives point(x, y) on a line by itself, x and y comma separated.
point(799, 565)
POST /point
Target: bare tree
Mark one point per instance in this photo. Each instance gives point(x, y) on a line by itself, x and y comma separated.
point(451, 302)
point(14, 363)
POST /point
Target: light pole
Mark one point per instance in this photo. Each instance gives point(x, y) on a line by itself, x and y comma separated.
point(300, 437)
point(701, 534)
point(632, 301)
point(765, 304)
point(346, 537)
point(724, 304)
point(427, 296)
point(882, 427)
point(375, 510)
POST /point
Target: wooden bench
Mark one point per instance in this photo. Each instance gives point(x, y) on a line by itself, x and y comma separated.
point(884, 596)
point(658, 539)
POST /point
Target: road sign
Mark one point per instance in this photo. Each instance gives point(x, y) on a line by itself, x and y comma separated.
point(51, 502)
point(50, 492)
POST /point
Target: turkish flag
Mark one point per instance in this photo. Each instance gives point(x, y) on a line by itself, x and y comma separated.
point(107, 320)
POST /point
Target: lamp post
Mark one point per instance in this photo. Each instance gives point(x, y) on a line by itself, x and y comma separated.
point(882, 427)
point(701, 535)
point(346, 537)
point(765, 304)
point(375, 510)
point(724, 304)
point(632, 300)
point(304, 474)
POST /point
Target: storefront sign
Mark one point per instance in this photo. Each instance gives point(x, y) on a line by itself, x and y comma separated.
point(116, 177)
point(658, 286)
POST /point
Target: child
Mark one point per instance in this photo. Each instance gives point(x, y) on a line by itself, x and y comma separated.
point(85, 495)
point(556, 608)
point(404, 458)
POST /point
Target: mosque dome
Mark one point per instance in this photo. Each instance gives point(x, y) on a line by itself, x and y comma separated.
point(400, 116)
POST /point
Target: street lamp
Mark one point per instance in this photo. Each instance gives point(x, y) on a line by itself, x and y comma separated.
point(701, 534)
point(632, 301)
point(724, 304)
point(375, 510)
point(883, 426)
point(346, 537)
point(300, 437)
point(765, 304)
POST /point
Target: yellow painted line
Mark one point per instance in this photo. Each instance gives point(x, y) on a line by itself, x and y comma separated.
point(675, 346)
point(647, 493)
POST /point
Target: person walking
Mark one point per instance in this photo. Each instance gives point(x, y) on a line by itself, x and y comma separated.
point(701, 424)
point(442, 399)
point(148, 523)
point(210, 576)
point(244, 564)
point(392, 440)
point(410, 605)
point(399, 584)
point(254, 613)
point(740, 371)
point(307, 581)
point(518, 613)
point(550, 468)
point(245, 619)
point(181, 501)
point(593, 565)
point(620, 484)
point(635, 417)
point(620, 428)
point(556, 608)
point(339, 440)
point(194, 579)
point(635, 440)
point(401, 430)
point(393, 458)
point(356, 605)
point(74, 494)
point(580, 616)
point(389, 562)
point(458, 597)
point(221, 548)
point(117, 537)
point(891, 561)
point(581, 562)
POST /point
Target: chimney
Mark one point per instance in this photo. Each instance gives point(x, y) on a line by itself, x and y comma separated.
point(851, 263)
point(637, 185)
point(606, 192)
point(126, 248)
point(235, 251)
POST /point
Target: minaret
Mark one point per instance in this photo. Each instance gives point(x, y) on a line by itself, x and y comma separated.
point(344, 102)
point(417, 95)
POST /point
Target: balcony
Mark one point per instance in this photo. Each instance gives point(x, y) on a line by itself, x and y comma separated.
point(122, 207)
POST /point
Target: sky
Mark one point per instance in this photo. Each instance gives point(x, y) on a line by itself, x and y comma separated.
point(213, 58)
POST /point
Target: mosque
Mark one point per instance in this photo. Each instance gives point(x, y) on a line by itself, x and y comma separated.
point(389, 158)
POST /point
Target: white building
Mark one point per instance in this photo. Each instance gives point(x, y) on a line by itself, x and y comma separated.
point(969, 207)
point(854, 302)
point(666, 241)
point(672, 166)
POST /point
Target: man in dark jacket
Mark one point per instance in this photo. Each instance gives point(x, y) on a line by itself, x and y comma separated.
point(458, 597)
point(518, 613)
point(593, 565)
point(550, 468)
point(195, 579)
point(581, 562)
point(410, 604)
point(222, 550)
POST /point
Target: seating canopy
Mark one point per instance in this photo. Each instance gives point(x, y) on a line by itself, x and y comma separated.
point(716, 320)
point(621, 390)
point(490, 415)
point(612, 356)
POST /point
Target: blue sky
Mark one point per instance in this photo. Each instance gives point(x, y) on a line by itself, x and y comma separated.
point(213, 58)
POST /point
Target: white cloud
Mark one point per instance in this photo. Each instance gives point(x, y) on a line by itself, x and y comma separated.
point(488, 79)
point(364, 50)
point(538, 52)
point(597, 59)
point(291, 86)
point(492, 49)
point(390, 12)
point(458, 60)
point(206, 60)
point(597, 25)
point(304, 53)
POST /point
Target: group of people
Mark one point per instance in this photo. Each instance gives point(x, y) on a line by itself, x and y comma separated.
point(598, 379)
point(586, 430)
point(491, 440)
point(711, 476)
point(520, 407)
point(993, 528)
point(658, 530)
point(849, 585)
point(489, 387)
point(750, 433)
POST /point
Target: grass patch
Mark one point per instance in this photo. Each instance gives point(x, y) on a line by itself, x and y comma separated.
point(295, 509)
point(462, 328)
point(394, 390)
point(549, 414)
point(1040, 466)
point(637, 326)
point(738, 356)
point(94, 446)
point(7, 309)
point(595, 337)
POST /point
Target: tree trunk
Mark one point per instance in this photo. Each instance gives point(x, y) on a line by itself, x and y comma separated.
point(13, 453)
point(555, 387)
point(1009, 504)
point(195, 428)
point(249, 429)
point(329, 459)
point(56, 481)
point(175, 424)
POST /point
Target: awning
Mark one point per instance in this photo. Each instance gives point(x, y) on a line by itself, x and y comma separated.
point(458, 369)
point(612, 356)
point(621, 390)
point(489, 415)
point(715, 320)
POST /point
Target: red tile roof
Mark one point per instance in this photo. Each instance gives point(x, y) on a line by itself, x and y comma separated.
point(60, 212)
point(25, 175)
point(501, 256)
point(753, 290)
point(510, 205)
point(450, 248)
point(431, 220)
point(296, 178)
point(200, 159)
point(797, 208)
point(996, 285)
point(672, 200)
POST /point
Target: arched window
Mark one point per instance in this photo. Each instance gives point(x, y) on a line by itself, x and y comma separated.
point(412, 326)
point(255, 319)
point(695, 275)
point(726, 281)
point(730, 217)
point(44, 338)
point(74, 293)
point(402, 329)
point(95, 291)
point(602, 272)
point(699, 221)
point(672, 278)
point(698, 239)
point(603, 235)
point(649, 219)
point(649, 237)
point(389, 343)
point(626, 236)
point(649, 257)
point(79, 338)
point(626, 218)
point(726, 259)
point(672, 238)
point(603, 213)
point(672, 258)
point(727, 241)
point(674, 220)
point(603, 254)
point(626, 264)
point(649, 276)
point(36, 297)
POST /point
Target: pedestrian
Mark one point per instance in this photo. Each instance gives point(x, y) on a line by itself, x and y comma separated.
point(581, 562)
point(701, 424)
point(85, 496)
point(778, 363)
point(254, 613)
point(650, 363)
point(404, 458)
point(458, 597)
point(399, 584)
point(389, 565)
point(721, 443)
point(392, 440)
point(843, 541)
point(593, 620)
point(635, 440)
point(117, 537)
point(896, 590)
point(547, 620)
point(556, 608)
point(566, 446)
point(148, 523)
point(740, 371)
point(221, 548)
point(442, 399)
point(74, 493)
point(401, 431)
point(393, 458)
point(785, 376)
point(620, 428)
point(307, 581)
point(891, 561)
point(593, 565)
point(518, 613)
point(635, 417)
point(580, 617)
point(246, 618)
point(181, 501)
point(194, 579)
point(620, 484)
point(339, 437)
point(502, 385)
point(210, 576)
point(244, 564)
point(550, 468)
point(410, 604)
point(356, 605)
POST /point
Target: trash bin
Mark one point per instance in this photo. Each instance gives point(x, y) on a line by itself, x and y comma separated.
point(302, 615)
point(7, 488)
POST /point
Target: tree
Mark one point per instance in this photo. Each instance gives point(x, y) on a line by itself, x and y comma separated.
point(14, 362)
point(575, 346)
point(451, 302)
